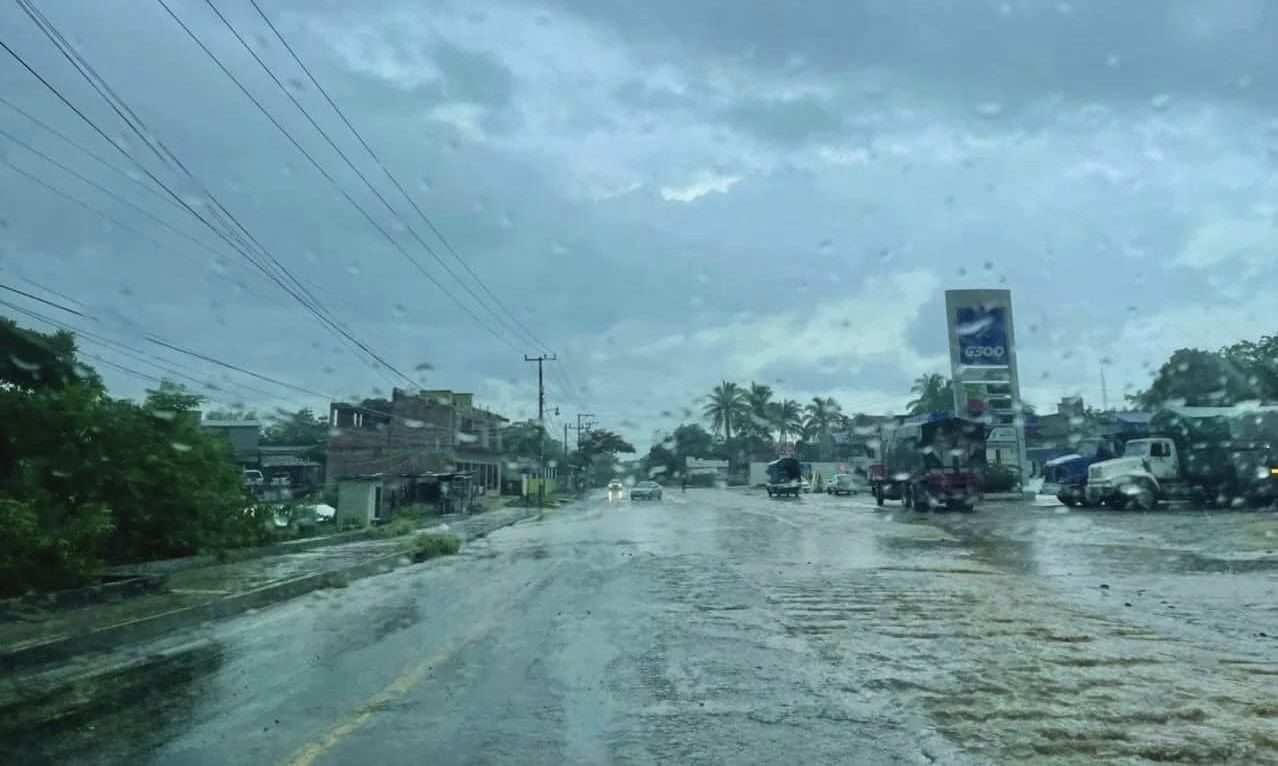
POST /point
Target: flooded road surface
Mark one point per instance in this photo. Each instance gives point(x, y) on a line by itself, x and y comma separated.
point(721, 627)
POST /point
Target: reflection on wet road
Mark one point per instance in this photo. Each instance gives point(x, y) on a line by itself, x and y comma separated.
point(724, 627)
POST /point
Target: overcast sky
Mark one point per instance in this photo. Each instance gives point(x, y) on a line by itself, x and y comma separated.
point(666, 194)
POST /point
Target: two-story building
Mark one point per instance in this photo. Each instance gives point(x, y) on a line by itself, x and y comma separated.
point(437, 431)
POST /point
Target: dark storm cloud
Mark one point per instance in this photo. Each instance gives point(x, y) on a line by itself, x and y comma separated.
point(982, 49)
point(787, 121)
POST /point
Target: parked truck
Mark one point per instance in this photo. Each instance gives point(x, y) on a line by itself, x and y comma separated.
point(931, 460)
point(1066, 476)
point(1213, 455)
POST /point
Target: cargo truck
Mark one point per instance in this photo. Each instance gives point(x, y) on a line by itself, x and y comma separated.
point(1212, 455)
point(931, 460)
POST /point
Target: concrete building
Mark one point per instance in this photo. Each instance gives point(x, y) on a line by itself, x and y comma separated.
point(243, 436)
point(414, 434)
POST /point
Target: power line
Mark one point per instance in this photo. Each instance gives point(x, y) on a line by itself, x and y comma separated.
point(371, 153)
point(38, 299)
point(301, 294)
point(125, 349)
point(380, 197)
point(90, 182)
point(327, 176)
point(89, 152)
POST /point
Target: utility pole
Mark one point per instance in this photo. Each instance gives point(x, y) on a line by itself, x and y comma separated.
point(541, 424)
point(1104, 392)
point(580, 427)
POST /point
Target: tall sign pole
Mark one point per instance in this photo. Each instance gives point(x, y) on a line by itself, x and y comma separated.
point(541, 424)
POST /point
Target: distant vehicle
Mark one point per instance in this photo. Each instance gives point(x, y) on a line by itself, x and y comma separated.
point(928, 460)
point(841, 484)
point(646, 490)
point(785, 477)
point(615, 487)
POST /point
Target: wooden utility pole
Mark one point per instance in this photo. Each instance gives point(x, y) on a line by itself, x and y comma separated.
point(541, 424)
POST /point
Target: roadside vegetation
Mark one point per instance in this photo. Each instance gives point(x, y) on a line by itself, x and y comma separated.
point(429, 545)
point(88, 480)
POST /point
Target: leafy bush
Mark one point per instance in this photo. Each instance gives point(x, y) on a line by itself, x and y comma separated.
point(429, 545)
point(61, 550)
point(90, 480)
point(397, 527)
point(1000, 478)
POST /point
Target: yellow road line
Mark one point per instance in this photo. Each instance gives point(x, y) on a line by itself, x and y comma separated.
point(308, 755)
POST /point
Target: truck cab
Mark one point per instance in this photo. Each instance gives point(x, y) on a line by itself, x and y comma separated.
point(1066, 476)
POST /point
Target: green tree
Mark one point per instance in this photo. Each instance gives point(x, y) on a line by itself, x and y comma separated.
point(727, 408)
point(932, 393)
point(525, 440)
point(601, 441)
point(32, 360)
point(758, 421)
point(297, 428)
point(1258, 360)
point(1198, 378)
point(787, 415)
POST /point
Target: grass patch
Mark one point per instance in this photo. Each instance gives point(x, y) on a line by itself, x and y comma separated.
point(406, 521)
point(396, 528)
point(429, 545)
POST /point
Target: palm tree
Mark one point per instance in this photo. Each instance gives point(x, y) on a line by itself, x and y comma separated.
point(727, 408)
point(932, 393)
point(787, 418)
point(819, 415)
point(759, 404)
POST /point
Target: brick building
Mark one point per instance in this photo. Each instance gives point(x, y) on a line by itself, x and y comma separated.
point(436, 431)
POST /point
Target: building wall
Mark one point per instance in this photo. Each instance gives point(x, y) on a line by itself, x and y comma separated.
point(431, 431)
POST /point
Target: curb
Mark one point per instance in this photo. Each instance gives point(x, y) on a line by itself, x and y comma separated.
point(107, 638)
point(168, 566)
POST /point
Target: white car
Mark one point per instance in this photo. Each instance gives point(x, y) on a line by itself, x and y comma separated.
point(646, 490)
point(841, 484)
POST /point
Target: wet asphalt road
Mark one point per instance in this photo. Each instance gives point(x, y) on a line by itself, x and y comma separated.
point(725, 627)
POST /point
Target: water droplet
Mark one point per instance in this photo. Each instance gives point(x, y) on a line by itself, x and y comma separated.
point(353, 269)
point(1160, 102)
point(181, 446)
point(989, 109)
point(826, 245)
point(23, 364)
point(296, 84)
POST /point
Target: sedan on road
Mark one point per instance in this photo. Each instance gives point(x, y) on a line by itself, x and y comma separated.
point(646, 490)
point(841, 484)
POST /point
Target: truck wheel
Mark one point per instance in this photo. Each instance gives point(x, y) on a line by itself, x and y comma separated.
point(878, 496)
point(1141, 496)
point(907, 496)
point(1067, 501)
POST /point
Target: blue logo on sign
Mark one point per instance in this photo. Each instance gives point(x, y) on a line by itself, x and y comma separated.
point(982, 336)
